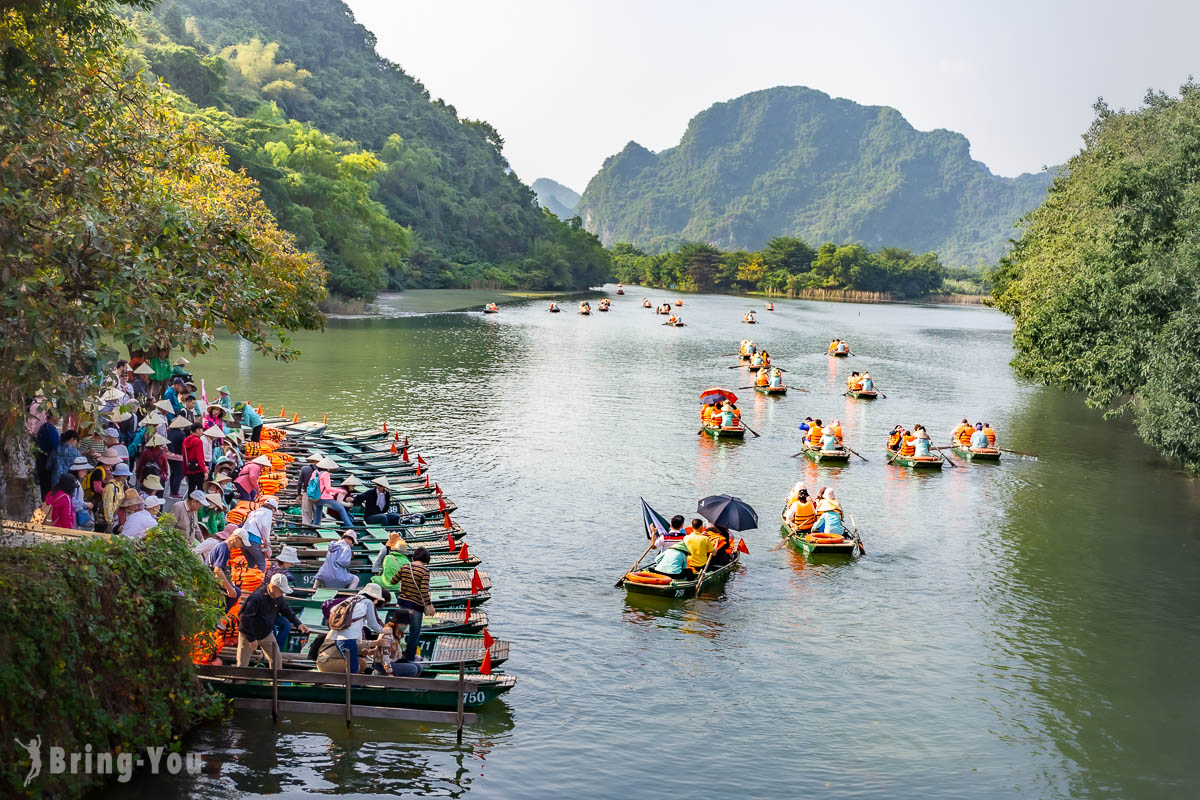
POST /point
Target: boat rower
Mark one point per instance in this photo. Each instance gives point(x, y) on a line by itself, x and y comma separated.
point(854, 382)
point(868, 385)
point(776, 378)
point(762, 379)
point(990, 433)
point(979, 439)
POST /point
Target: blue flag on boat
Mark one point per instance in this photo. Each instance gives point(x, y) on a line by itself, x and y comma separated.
point(656, 523)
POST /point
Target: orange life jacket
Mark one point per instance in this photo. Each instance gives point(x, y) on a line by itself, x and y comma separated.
point(893, 440)
point(909, 447)
point(837, 433)
point(805, 516)
point(991, 434)
point(964, 436)
point(814, 435)
point(761, 380)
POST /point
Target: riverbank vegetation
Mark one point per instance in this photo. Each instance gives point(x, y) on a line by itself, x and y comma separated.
point(787, 266)
point(1104, 284)
point(96, 632)
point(387, 186)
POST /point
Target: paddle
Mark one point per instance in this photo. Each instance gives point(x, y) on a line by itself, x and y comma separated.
point(723, 355)
point(703, 572)
point(1019, 453)
point(946, 458)
point(857, 536)
point(747, 427)
point(635, 564)
point(852, 450)
point(786, 540)
point(798, 389)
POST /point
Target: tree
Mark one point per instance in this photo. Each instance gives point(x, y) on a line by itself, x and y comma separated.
point(119, 221)
point(788, 253)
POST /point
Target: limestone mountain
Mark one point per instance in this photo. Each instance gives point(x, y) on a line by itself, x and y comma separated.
point(794, 161)
point(559, 200)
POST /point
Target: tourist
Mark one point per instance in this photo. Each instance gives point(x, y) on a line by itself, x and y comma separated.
point(673, 562)
point(172, 394)
point(762, 379)
point(385, 651)
point(224, 400)
point(674, 534)
point(363, 611)
point(805, 426)
point(208, 439)
point(61, 512)
point(189, 412)
point(957, 437)
point(177, 431)
point(185, 520)
point(414, 598)
point(217, 559)
point(979, 439)
point(81, 468)
point(868, 385)
point(214, 416)
point(801, 512)
point(252, 420)
point(990, 433)
point(152, 460)
point(259, 522)
point(65, 455)
point(722, 546)
point(854, 382)
point(699, 549)
point(256, 624)
point(375, 502)
point(195, 462)
point(908, 444)
point(212, 517)
point(894, 438)
point(151, 486)
point(47, 442)
point(306, 503)
point(114, 491)
point(921, 443)
point(135, 519)
point(322, 493)
point(816, 432)
point(334, 572)
point(179, 369)
point(282, 565)
point(393, 557)
point(247, 479)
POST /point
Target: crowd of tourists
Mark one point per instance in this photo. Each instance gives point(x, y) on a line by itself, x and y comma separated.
point(820, 436)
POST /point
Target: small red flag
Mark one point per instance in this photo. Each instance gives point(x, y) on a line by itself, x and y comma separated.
point(385, 427)
point(437, 489)
point(462, 554)
point(446, 523)
point(420, 460)
point(403, 452)
point(453, 545)
point(476, 583)
point(467, 614)
point(394, 447)
point(418, 470)
point(405, 441)
point(742, 547)
point(295, 418)
point(486, 669)
point(398, 437)
point(426, 480)
point(488, 641)
point(441, 504)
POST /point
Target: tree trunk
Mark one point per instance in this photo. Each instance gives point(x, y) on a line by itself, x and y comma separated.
point(18, 484)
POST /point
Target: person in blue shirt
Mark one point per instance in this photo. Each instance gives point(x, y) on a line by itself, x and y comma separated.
point(171, 395)
point(805, 426)
point(868, 385)
point(979, 438)
point(252, 420)
point(672, 562)
point(829, 514)
point(828, 440)
point(922, 443)
point(776, 378)
point(224, 399)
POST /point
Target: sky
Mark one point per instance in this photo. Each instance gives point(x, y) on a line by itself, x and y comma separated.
point(569, 83)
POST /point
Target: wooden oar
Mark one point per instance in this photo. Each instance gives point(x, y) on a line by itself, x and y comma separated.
point(946, 458)
point(852, 450)
point(635, 564)
point(747, 427)
point(786, 541)
point(1019, 453)
point(723, 355)
point(703, 572)
point(798, 389)
point(857, 536)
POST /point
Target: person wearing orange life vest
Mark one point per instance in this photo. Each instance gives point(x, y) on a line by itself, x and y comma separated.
point(990, 433)
point(833, 345)
point(802, 512)
point(837, 431)
point(762, 379)
point(964, 435)
point(908, 445)
point(815, 432)
point(722, 546)
point(894, 438)
point(854, 382)
point(956, 437)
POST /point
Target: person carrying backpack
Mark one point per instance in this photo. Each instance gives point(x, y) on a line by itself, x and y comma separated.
point(320, 492)
point(346, 622)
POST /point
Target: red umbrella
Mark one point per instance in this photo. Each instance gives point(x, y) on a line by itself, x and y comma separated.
point(717, 391)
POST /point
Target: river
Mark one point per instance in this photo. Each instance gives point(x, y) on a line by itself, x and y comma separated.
point(1026, 629)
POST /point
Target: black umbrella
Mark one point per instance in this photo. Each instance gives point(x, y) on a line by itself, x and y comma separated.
point(728, 512)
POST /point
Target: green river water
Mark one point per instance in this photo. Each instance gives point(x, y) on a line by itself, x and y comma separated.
point(1027, 629)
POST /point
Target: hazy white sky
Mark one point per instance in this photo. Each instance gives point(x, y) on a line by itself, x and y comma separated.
point(569, 83)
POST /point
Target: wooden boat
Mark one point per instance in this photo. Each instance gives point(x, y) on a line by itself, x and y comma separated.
point(363, 560)
point(300, 534)
point(602, 308)
point(916, 462)
point(976, 453)
point(678, 302)
point(585, 311)
point(749, 322)
point(862, 394)
point(671, 324)
point(641, 582)
point(809, 543)
point(447, 588)
point(757, 367)
point(836, 354)
point(771, 391)
point(819, 456)
point(555, 309)
point(445, 620)
point(720, 432)
point(620, 291)
point(646, 304)
point(744, 357)
point(491, 309)
point(369, 690)
point(770, 306)
point(438, 651)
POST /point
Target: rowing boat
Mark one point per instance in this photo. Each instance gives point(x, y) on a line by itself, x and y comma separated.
point(447, 588)
point(438, 651)
point(643, 582)
point(744, 357)
point(771, 391)
point(721, 432)
point(976, 453)
point(862, 394)
point(916, 462)
point(749, 322)
point(444, 620)
point(836, 354)
point(362, 561)
point(819, 456)
point(670, 324)
point(620, 291)
point(818, 544)
point(757, 367)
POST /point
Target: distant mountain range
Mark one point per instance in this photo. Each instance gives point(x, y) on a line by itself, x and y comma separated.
point(795, 161)
point(555, 197)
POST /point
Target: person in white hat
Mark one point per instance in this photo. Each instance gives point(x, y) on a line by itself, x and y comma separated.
point(152, 460)
point(363, 611)
point(80, 468)
point(137, 519)
point(141, 381)
point(376, 503)
point(247, 479)
point(334, 572)
point(307, 508)
point(256, 624)
point(185, 516)
point(282, 565)
point(321, 493)
point(259, 522)
point(212, 434)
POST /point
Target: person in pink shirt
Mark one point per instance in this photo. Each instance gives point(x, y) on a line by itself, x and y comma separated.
point(326, 497)
point(247, 480)
point(62, 512)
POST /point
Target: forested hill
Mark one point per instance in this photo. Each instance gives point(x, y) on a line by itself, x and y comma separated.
point(559, 200)
point(277, 63)
point(794, 161)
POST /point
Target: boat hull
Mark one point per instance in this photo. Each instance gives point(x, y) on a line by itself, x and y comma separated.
point(862, 394)
point(977, 454)
point(797, 541)
point(819, 456)
point(678, 589)
point(724, 433)
point(771, 391)
point(914, 462)
point(840, 355)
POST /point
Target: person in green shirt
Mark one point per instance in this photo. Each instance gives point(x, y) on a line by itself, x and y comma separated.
point(395, 558)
